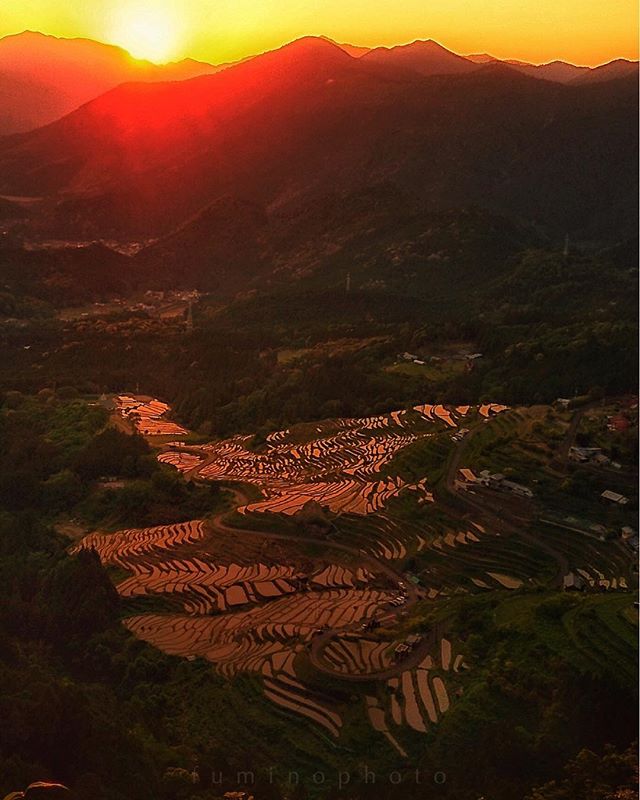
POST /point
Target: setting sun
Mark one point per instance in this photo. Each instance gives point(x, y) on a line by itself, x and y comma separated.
point(146, 31)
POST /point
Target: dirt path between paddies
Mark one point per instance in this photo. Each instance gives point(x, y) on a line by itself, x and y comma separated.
point(219, 524)
point(561, 460)
point(507, 521)
point(320, 641)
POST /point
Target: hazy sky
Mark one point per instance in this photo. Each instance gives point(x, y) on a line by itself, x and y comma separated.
point(581, 31)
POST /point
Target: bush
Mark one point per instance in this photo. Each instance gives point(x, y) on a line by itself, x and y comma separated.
point(115, 453)
point(62, 491)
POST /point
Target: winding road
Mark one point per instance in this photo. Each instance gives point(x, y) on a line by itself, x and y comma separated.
point(502, 520)
point(505, 522)
point(219, 524)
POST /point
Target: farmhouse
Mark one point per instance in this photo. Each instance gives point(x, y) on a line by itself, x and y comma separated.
point(498, 481)
point(614, 497)
point(593, 455)
point(492, 480)
point(517, 489)
point(467, 476)
point(572, 582)
point(582, 454)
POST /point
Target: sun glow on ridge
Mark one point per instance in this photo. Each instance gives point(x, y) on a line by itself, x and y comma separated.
point(146, 30)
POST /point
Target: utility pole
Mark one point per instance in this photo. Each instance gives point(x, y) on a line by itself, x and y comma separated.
point(189, 324)
point(348, 282)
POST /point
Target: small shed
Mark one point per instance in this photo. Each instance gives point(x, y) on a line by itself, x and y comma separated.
point(572, 582)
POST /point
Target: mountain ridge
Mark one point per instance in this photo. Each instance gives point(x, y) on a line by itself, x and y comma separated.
point(308, 119)
point(44, 77)
point(68, 73)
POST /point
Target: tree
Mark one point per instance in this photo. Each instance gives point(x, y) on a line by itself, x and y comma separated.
point(611, 776)
point(62, 490)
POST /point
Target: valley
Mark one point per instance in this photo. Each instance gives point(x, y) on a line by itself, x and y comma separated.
point(318, 412)
point(326, 557)
point(357, 499)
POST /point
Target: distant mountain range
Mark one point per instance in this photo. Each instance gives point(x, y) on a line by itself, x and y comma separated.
point(563, 72)
point(307, 120)
point(43, 78)
point(558, 71)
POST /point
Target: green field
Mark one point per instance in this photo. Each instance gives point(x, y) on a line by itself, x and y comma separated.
point(434, 372)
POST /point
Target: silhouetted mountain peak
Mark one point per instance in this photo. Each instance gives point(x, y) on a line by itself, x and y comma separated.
point(424, 56)
point(428, 45)
point(37, 46)
point(27, 33)
point(481, 58)
point(557, 71)
point(309, 48)
point(354, 50)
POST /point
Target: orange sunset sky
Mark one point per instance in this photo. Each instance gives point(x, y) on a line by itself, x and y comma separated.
point(581, 31)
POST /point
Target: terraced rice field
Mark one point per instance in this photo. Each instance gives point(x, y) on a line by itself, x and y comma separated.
point(342, 465)
point(242, 613)
point(346, 497)
point(611, 643)
point(417, 698)
point(607, 568)
point(378, 720)
point(148, 416)
point(249, 615)
point(285, 691)
point(457, 559)
point(182, 461)
point(358, 656)
point(204, 587)
point(255, 604)
point(242, 640)
point(125, 547)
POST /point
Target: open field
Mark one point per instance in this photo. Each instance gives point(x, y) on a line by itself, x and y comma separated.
point(520, 444)
point(435, 373)
point(597, 633)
